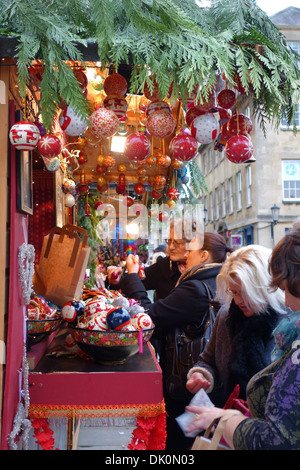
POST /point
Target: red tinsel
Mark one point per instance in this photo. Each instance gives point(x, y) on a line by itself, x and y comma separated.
point(150, 433)
point(43, 433)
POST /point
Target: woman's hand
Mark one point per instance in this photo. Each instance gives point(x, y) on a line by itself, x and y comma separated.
point(204, 416)
point(114, 274)
point(196, 382)
point(132, 263)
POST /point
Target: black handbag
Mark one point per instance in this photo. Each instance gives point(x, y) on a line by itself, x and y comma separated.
point(183, 348)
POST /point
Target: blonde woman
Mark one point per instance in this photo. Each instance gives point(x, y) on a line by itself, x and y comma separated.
point(242, 340)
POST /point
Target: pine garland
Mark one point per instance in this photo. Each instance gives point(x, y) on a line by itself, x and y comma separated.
point(181, 43)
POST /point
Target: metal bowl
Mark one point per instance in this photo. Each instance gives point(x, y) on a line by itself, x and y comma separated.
point(110, 346)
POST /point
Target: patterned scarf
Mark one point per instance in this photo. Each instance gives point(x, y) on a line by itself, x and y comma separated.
point(195, 269)
point(285, 334)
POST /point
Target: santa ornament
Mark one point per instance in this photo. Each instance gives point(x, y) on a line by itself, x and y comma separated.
point(72, 123)
point(117, 104)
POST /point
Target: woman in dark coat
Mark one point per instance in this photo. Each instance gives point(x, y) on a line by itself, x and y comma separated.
point(185, 305)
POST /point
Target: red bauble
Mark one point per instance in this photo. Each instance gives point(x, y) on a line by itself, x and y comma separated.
point(157, 106)
point(104, 123)
point(121, 189)
point(225, 134)
point(207, 104)
point(160, 124)
point(164, 161)
point(115, 84)
point(156, 194)
point(98, 204)
point(139, 189)
point(117, 104)
point(173, 194)
point(137, 147)
point(81, 78)
point(239, 149)
point(239, 124)
point(154, 94)
point(101, 169)
point(128, 201)
point(163, 216)
point(191, 114)
point(49, 146)
point(183, 147)
point(24, 135)
point(226, 98)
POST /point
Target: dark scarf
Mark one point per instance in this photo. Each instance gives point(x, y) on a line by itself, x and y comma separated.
point(251, 345)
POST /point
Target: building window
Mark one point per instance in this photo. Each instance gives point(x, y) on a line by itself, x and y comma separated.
point(230, 182)
point(284, 124)
point(239, 190)
point(217, 204)
point(210, 160)
point(211, 206)
point(249, 185)
point(291, 180)
point(223, 200)
point(205, 164)
point(216, 157)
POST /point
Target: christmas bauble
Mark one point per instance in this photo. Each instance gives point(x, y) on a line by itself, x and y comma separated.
point(183, 147)
point(226, 98)
point(69, 200)
point(205, 128)
point(98, 205)
point(176, 164)
point(142, 321)
point(157, 106)
point(152, 93)
point(239, 124)
point(156, 194)
point(160, 124)
point(137, 147)
point(122, 168)
point(81, 78)
point(101, 181)
point(51, 164)
point(101, 169)
point(164, 161)
point(191, 114)
point(173, 194)
point(72, 310)
point(151, 160)
point(72, 123)
point(109, 161)
point(49, 146)
point(121, 302)
point(239, 149)
point(128, 201)
point(139, 189)
point(159, 181)
point(115, 84)
point(208, 103)
point(95, 306)
point(225, 134)
point(69, 185)
point(134, 309)
point(101, 323)
point(163, 216)
point(117, 318)
point(41, 128)
point(24, 135)
point(117, 104)
point(104, 123)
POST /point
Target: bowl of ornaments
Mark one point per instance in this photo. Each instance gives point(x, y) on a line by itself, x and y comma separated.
point(108, 328)
point(42, 319)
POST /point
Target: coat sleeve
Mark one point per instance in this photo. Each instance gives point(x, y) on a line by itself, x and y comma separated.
point(185, 304)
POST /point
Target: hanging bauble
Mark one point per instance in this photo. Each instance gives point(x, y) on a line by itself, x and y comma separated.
point(123, 128)
point(100, 159)
point(117, 104)
point(171, 203)
point(157, 106)
point(151, 160)
point(81, 78)
point(137, 147)
point(239, 124)
point(142, 129)
point(98, 205)
point(173, 194)
point(121, 186)
point(72, 123)
point(49, 146)
point(69, 185)
point(164, 161)
point(152, 93)
point(163, 216)
point(24, 135)
point(103, 188)
point(141, 172)
point(205, 128)
point(122, 168)
point(141, 163)
point(160, 124)
point(41, 128)
point(128, 201)
point(69, 200)
point(142, 179)
point(83, 188)
point(139, 189)
point(159, 181)
point(80, 141)
point(82, 158)
point(104, 123)
point(115, 84)
point(226, 98)
point(109, 161)
point(191, 114)
point(156, 194)
point(208, 103)
point(239, 149)
point(225, 134)
point(221, 114)
point(183, 147)
point(51, 164)
point(177, 164)
point(101, 169)
point(101, 181)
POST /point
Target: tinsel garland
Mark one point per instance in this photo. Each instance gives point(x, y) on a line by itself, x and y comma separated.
point(21, 424)
point(150, 433)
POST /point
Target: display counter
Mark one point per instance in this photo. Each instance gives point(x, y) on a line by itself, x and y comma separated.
point(76, 387)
